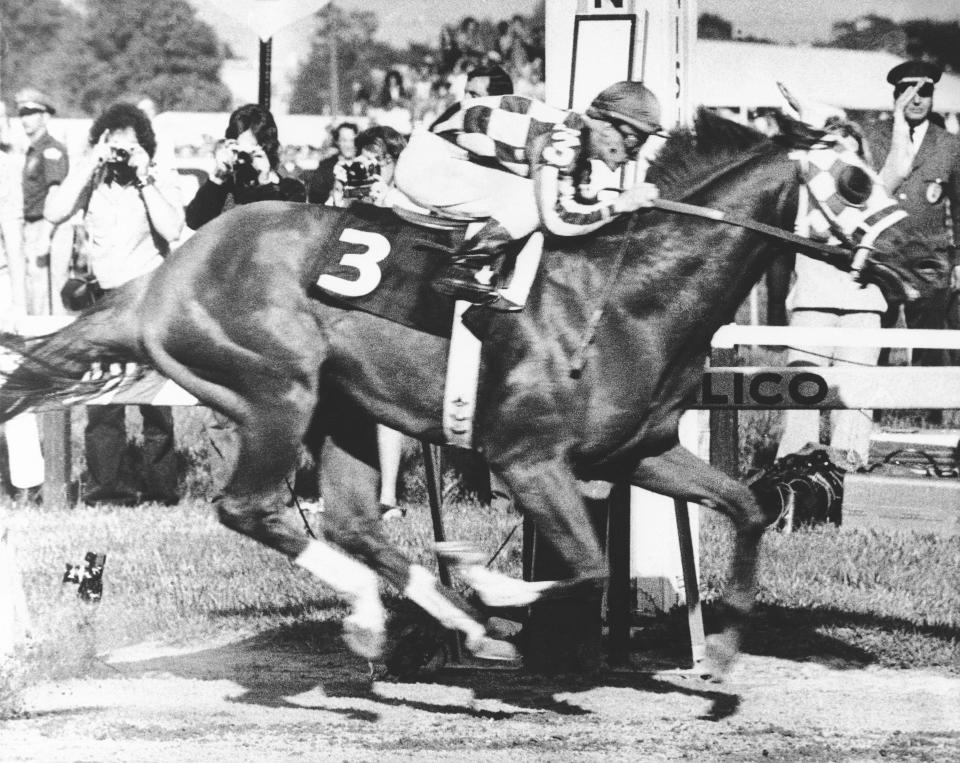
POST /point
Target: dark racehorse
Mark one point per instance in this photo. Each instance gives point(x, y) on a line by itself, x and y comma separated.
point(230, 318)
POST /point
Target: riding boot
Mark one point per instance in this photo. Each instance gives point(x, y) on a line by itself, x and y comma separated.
point(464, 278)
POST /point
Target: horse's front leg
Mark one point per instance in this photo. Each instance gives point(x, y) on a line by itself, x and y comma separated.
point(678, 473)
point(548, 493)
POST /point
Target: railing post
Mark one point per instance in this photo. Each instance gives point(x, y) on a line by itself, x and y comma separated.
point(724, 434)
point(57, 462)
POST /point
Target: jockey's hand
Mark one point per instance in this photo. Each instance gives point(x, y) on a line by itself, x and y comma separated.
point(639, 196)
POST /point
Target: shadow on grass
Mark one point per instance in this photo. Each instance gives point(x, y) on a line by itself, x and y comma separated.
point(825, 635)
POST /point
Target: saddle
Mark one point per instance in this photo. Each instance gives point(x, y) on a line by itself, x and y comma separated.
point(382, 260)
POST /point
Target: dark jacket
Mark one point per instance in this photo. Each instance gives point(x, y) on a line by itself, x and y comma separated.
point(933, 185)
point(213, 198)
point(319, 182)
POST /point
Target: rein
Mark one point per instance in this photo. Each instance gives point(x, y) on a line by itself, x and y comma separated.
point(707, 213)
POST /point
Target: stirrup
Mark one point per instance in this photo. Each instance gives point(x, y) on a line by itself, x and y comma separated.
point(460, 282)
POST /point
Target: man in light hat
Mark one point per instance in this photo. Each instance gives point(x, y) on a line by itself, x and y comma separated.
point(922, 170)
point(45, 166)
point(520, 164)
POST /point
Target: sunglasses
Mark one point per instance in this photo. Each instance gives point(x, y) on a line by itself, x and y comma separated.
point(925, 91)
point(28, 111)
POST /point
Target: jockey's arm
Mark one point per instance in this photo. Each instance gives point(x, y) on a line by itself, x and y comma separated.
point(562, 215)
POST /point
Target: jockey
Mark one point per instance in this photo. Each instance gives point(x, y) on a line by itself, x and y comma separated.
point(518, 164)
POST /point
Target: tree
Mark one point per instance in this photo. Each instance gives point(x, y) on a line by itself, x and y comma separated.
point(870, 32)
point(357, 54)
point(938, 40)
point(155, 48)
point(33, 38)
point(713, 27)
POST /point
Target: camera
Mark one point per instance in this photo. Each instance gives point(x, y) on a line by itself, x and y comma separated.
point(361, 173)
point(239, 156)
point(241, 165)
point(118, 155)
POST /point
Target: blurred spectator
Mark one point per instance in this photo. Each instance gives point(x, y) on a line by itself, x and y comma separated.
point(393, 107)
point(11, 229)
point(132, 213)
point(820, 297)
point(21, 432)
point(922, 169)
point(320, 181)
point(441, 99)
point(360, 105)
point(515, 44)
point(246, 168)
point(45, 166)
point(469, 42)
point(487, 80)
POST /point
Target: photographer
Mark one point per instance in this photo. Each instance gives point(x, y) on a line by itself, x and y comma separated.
point(247, 161)
point(369, 177)
point(131, 214)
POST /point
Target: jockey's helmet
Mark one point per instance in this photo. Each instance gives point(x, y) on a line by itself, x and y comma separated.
point(630, 102)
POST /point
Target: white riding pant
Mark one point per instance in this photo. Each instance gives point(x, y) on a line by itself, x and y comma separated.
point(436, 174)
point(849, 430)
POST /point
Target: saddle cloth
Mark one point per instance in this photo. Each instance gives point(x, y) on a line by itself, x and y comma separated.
point(375, 261)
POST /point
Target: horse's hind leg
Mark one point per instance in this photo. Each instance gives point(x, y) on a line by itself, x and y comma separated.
point(678, 473)
point(252, 504)
point(352, 520)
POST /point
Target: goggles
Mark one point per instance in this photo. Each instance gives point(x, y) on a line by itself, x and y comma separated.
point(633, 138)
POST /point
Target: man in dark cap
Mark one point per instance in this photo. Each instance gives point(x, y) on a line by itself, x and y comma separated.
point(922, 170)
point(45, 166)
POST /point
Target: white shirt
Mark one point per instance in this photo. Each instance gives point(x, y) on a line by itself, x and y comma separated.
point(121, 244)
point(917, 138)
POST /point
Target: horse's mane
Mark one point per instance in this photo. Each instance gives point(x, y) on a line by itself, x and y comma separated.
point(691, 158)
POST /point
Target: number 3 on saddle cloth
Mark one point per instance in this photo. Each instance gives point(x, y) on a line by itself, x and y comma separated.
point(376, 261)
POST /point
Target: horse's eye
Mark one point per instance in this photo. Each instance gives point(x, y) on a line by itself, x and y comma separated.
point(854, 186)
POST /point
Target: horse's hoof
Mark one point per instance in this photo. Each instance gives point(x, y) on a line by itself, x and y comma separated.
point(364, 639)
point(486, 648)
point(722, 653)
point(498, 590)
point(388, 512)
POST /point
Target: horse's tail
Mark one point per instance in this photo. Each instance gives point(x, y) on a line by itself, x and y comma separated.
point(45, 370)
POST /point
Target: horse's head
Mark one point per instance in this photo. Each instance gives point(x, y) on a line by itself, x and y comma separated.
point(843, 200)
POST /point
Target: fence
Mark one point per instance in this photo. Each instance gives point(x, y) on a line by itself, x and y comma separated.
point(727, 388)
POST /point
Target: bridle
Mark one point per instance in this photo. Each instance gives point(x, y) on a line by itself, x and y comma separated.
point(818, 170)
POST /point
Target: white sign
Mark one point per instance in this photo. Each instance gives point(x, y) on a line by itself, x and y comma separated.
point(266, 17)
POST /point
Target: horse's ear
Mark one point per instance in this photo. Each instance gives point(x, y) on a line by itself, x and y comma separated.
point(794, 133)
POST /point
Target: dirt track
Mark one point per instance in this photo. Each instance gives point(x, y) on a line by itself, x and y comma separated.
point(251, 700)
